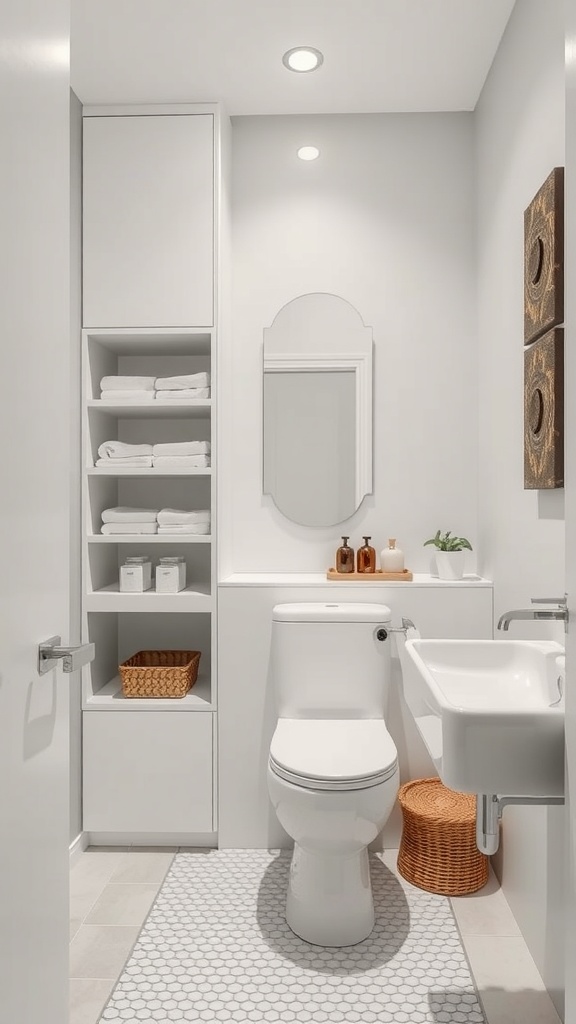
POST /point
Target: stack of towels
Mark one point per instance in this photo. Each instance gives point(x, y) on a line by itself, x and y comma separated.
point(174, 455)
point(119, 455)
point(188, 385)
point(126, 389)
point(142, 389)
point(129, 520)
point(148, 520)
point(178, 522)
point(181, 455)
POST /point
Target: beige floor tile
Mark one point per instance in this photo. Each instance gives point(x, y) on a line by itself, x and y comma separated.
point(485, 913)
point(93, 870)
point(502, 962)
point(98, 952)
point(75, 923)
point(518, 1007)
point(143, 866)
point(88, 996)
point(81, 904)
point(123, 904)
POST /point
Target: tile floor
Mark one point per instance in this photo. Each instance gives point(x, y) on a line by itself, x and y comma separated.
point(112, 891)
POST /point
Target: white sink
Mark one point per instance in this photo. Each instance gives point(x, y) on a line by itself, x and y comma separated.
point(491, 714)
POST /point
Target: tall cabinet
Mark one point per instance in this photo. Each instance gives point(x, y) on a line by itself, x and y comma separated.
point(151, 242)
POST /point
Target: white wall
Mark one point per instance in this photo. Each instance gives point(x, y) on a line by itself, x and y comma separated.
point(385, 219)
point(519, 126)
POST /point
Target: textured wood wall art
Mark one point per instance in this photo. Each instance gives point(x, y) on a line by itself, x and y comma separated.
point(544, 412)
point(544, 258)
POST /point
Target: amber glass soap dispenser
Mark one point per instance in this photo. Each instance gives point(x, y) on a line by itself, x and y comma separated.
point(345, 557)
point(366, 557)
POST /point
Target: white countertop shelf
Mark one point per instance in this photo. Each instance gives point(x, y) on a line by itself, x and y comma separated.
point(96, 471)
point(109, 599)
point(149, 538)
point(197, 408)
point(111, 698)
point(319, 579)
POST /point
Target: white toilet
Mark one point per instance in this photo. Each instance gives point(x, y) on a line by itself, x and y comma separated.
point(333, 767)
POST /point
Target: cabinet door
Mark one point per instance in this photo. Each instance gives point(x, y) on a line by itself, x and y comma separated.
point(148, 198)
point(147, 771)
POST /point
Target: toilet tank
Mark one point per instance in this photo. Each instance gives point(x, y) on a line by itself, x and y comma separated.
point(330, 660)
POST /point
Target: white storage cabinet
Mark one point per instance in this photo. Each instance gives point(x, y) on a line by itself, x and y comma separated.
point(148, 215)
point(150, 220)
point(148, 772)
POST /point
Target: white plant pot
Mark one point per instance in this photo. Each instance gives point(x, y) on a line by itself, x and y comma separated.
point(450, 564)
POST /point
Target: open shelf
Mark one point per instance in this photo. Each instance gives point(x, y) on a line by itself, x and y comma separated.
point(195, 598)
point(150, 538)
point(178, 408)
point(150, 341)
point(97, 471)
point(111, 698)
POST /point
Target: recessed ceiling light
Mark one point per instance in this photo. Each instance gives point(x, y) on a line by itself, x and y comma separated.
point(302, 58)
point(308, 152)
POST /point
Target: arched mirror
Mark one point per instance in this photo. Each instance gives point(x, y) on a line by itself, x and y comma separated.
point(318, 410)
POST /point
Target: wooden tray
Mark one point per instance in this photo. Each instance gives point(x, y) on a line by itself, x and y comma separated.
point(401, 577)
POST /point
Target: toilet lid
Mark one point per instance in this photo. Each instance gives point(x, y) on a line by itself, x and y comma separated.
point(333, 753)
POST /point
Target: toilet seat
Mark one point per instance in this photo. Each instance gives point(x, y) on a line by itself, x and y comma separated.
point(333, 754)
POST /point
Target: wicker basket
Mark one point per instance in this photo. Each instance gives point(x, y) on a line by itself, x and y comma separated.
point(159, 673)
point(438, 850)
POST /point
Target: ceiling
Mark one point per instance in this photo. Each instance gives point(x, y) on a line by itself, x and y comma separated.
point(379, 55)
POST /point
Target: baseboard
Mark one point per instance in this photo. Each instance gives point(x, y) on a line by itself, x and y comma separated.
point(77, 847)
point(156, 839)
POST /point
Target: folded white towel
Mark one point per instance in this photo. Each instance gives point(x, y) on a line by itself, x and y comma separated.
point(127, 383)
point(114, 528)
point(181, 461)
point(129, 515)
point(179, 517)
point(138, 462)
point(120, 450)
point(186, 380)
point(182, 448)
point(183, 393)
point(186, 528)
point(127, 396)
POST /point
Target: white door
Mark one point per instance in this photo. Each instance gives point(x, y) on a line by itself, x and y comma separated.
point(570, 435)
point(35, 507)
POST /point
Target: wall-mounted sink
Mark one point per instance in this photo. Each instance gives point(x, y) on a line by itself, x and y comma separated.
point(491, 713)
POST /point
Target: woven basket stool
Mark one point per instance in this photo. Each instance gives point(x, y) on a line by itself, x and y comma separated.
point(438, 850)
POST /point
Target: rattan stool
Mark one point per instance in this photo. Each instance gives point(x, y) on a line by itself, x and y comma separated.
point(438, 850)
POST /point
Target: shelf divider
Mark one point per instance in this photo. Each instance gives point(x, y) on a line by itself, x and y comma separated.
point(110, 698)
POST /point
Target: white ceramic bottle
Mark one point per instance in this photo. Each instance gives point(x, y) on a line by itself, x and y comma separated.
point(392, 558)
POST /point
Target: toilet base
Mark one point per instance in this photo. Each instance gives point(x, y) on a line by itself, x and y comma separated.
point(329, 901)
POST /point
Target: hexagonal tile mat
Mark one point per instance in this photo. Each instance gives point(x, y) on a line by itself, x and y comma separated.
point(216, 947)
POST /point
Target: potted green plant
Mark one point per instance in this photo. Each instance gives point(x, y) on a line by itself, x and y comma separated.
point(449, 554)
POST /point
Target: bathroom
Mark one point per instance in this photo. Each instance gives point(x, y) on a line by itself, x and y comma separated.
point(415, 218)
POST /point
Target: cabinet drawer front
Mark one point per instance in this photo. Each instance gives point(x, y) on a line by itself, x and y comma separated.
point(147, 771)
point(148, 211)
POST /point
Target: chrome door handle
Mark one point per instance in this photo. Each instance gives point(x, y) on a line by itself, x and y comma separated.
point(73, 658)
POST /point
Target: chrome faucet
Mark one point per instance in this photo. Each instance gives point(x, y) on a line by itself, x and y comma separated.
point(559, 612)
